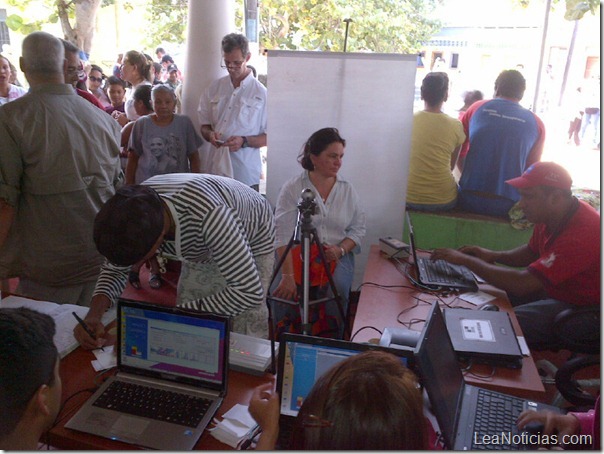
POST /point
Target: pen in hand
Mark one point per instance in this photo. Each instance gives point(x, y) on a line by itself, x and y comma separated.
point(85, 326)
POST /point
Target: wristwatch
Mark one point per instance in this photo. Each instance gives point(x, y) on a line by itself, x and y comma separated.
point(244, 144)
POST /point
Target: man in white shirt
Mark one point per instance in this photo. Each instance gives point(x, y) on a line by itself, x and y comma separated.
point(232, 113)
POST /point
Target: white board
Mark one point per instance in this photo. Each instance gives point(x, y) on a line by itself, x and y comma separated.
point(369, 98)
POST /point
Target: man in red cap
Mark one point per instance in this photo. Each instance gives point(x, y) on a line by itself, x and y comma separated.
point(560, 266)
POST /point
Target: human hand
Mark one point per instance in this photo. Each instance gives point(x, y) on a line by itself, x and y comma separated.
point(553, 423)
point(216, 139)
point(264, 408)
point(287, 288)
point(86, 341)
point(120, 117)
point(450, 255)
point(332, 252)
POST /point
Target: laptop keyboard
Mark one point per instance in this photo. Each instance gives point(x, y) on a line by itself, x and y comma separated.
point(154, 403)
point(442, 271)
point(493, 412)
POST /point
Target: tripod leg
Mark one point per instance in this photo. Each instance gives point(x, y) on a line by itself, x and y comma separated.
point(332, 285)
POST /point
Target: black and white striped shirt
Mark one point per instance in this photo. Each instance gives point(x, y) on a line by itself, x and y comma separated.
point(217, 220)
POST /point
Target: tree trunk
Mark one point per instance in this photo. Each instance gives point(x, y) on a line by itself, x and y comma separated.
point(82, 32)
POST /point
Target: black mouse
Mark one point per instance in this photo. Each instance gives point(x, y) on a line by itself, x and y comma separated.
point(489, 307)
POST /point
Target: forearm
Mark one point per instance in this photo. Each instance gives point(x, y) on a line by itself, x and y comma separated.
point(98, 306)
point(347, 245)
point(205, 132)
point(522, 256)
point(131, 166)
point(195, 162)
point(258, 141)
point(517, 282)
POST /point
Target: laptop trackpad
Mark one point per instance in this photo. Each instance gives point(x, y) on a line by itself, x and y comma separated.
point(129, 427)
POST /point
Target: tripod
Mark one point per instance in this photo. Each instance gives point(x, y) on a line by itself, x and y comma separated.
point(304, 234)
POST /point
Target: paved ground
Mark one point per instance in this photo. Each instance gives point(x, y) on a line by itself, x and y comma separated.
point(583, 162)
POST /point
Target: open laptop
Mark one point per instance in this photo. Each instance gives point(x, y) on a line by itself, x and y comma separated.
point(302, 360)
point(459, 408)
point(178, 356)
point(485, 337)
point(439, 273)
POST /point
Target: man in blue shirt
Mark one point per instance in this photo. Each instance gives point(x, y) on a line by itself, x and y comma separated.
point(504, 140)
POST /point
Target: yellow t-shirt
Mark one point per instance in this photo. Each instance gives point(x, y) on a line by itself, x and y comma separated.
point(433, 140)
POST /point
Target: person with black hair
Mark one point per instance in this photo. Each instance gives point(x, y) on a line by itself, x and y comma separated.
point(96, 85)
point(504, 140)
point(30, 384)
point(436, 139)
point(116, 91)
point(340, 219)
point(219, 226)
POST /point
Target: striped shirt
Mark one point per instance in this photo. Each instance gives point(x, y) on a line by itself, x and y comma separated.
point(217, 220)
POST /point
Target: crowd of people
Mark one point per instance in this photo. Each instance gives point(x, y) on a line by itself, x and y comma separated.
point(99, 174)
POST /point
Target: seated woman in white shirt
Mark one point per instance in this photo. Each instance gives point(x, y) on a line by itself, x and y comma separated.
point(339, 222)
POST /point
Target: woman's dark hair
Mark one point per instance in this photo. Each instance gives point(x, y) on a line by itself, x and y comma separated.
point(316, 144)
point(368, 401)
point(142, 63)
point(99, 69)
point(435, 88)
point(143, 93)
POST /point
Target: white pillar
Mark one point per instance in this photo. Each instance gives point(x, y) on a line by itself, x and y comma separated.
point(209, 21)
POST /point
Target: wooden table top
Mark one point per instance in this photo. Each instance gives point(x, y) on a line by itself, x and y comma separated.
point(387, 295)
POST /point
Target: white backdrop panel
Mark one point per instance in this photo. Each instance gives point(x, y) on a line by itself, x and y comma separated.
point(369, 98)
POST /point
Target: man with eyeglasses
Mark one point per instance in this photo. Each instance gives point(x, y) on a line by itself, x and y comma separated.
point(59, 164)
point(232, 113)
point(74, 71)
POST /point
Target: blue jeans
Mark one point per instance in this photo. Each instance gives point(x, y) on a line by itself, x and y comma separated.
point(594, 120)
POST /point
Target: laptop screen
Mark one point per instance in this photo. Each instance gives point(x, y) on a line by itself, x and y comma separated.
point(303, 359)
point(412, 243)
point(173, 343)
point(440, 372)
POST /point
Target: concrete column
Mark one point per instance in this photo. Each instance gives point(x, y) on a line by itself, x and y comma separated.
point(209, 21)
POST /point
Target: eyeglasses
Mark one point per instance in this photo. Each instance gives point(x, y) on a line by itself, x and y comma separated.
point(95, 79)
point(232, 64)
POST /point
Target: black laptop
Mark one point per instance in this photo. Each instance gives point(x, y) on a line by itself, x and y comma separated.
point(172, 377)
point(302, 360)
point(484, 337)
point(439, 273)
point(469, 418)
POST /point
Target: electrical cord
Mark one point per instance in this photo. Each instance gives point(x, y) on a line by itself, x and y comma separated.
point(362, 328)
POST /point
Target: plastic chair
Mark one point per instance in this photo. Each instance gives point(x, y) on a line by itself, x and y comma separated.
point(576, 330)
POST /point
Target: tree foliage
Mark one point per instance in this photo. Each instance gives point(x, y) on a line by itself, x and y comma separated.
point(575, 9)
point(167, 22)
point(376, 26)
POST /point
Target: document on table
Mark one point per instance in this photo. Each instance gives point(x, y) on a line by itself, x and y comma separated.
point(65, 322)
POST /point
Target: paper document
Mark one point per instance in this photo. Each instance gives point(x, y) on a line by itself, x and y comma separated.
point(65, 322)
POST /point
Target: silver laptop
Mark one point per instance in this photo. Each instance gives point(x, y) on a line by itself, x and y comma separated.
point(171, 379)
point(469, 417)
point(439, 273)
point(302, 360)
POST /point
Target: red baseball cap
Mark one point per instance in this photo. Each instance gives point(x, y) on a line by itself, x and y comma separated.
point(543, 174)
